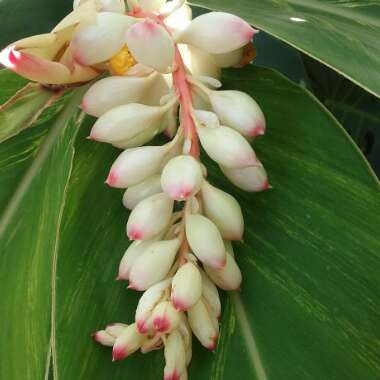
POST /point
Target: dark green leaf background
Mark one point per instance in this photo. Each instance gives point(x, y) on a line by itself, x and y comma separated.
point(308, 307)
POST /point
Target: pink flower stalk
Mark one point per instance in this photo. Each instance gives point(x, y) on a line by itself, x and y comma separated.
point(164, 69)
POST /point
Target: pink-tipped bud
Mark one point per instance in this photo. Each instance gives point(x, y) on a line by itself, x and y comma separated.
point(204, 325)
point(205, 240)
point(151, 45)
point(148, 301)
point(210, 295)
point(165, 318)
point(223, 209)
point(135, 194)
point(135, 165)
point(217, 33)
point(104, 338)
point(122, 125)
point(239, 111)
point(150, 217)
point(175, 357)
point(229, 277)
point(253, 178)
point(186, 287)
point(181, 177)
point(115, 329)
point(154, 265)
point(226, 146)
point(124, 90)
point(97, 42)
point(127, 343)
point(135, 250)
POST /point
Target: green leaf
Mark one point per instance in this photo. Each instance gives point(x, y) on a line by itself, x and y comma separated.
point(310, 257)
point(24, 18)
point(343, 35)
point(25, 107)
point(32, 207)
point(357, 110)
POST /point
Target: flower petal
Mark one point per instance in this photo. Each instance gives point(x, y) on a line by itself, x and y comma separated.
point(85, 13)
point(151, 45)
point(42, 70)
point(101, 40)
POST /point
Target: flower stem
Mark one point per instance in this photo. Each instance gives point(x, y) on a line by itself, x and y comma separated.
point(183, 89)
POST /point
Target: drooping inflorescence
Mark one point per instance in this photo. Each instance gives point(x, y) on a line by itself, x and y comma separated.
point(163, 78)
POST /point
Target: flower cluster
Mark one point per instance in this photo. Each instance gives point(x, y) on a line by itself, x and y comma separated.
point(164, 70)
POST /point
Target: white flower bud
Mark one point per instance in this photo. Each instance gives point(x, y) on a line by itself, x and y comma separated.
point(175, 357)
point(185, 331)
point(210, 295)
point(98, 42)
point(142, 190)
point(115, 91)
point(226, 146)
point(123, 123)
point(111, 5)
point(252, 178)
point(239, 111)
point(201, 63)
point(151, 297)
point(150, 344)
point(176, 19)
point(150, 217)
point(161, 89)
point(136, 249)
point(151, 45)
point(127, 343)
point(217, 33)
point(229, 59)
point(147, 5)
point(181, 177)
point(115, 329)
point(135, 165)
point(204, 325)
point(104, 5)
point(186, 286)
point(140, 139)
point(153, 265)
point(223, 209)
point(165, 318)
point(104, 338)
point(229, 277)
point(207, 118)
point(170, 122)
point(84, 14)
point(205, 240)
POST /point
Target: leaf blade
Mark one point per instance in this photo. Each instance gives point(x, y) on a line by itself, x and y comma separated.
point(327, 31)
point(28, 234)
